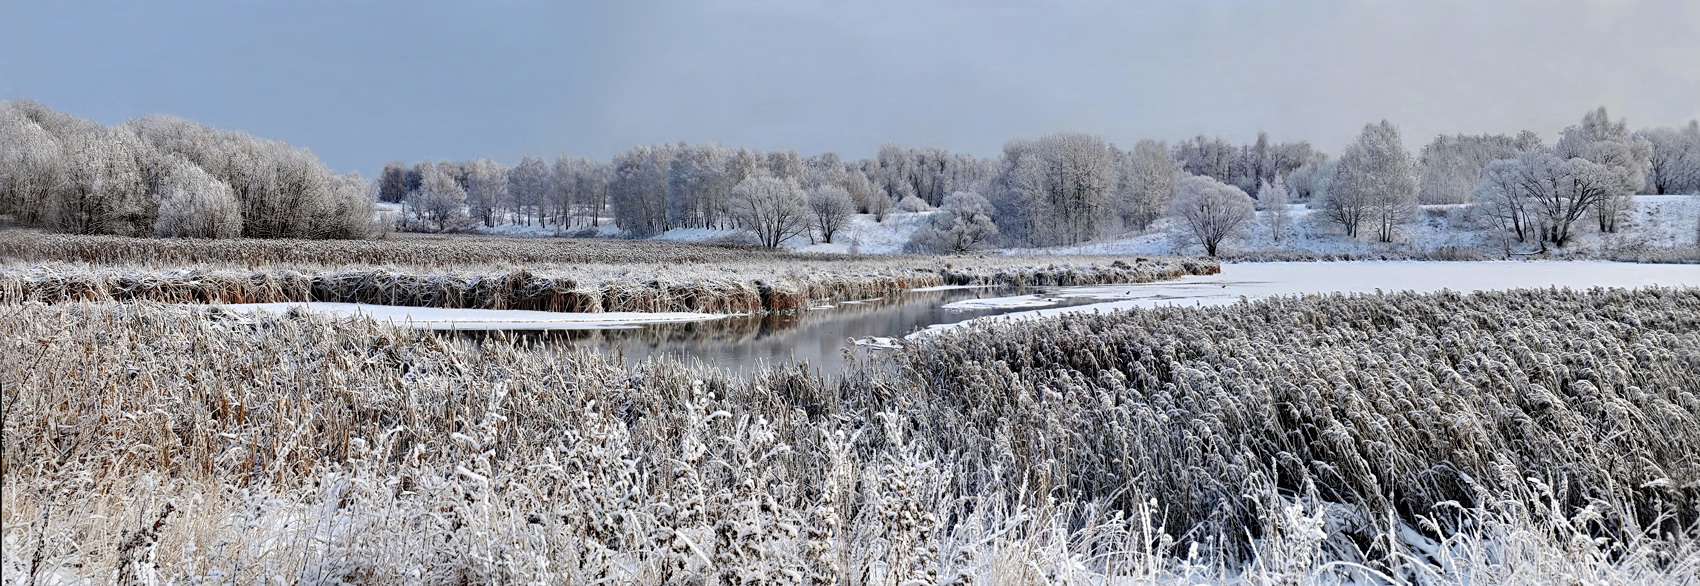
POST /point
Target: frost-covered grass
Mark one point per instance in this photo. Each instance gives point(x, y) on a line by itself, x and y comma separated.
point(741, 284)
point(399, 250)
point(1241, 281)
point(1524, 437)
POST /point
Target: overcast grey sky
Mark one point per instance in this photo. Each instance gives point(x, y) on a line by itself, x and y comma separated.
point(361, 83)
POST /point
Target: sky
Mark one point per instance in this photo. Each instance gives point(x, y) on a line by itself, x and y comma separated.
point(362, 83)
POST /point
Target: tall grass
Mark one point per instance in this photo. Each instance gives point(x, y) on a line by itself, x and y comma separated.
point(1526, 437)
point(741, 287)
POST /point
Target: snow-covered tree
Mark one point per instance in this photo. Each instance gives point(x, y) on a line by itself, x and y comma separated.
point(1503, 196)
point(831, 210)
point(1550, 193)
point(1374, 184)
point(1674, 164)
point(1056, 189)
point(1206, 212)
point(638, 189)
point(1610, 145)
point(698, 183)
point(32, 165)
point(1273, 197)
point(1149, 178)
point(486, 190)
point(195, 204)
point(966, 226)
point(1451, 165)
point(772, 209)
point(914, 204)
point(880, 204)
point(392, 182)
point(1305, 181)
point(528, 187)
point(439, 199)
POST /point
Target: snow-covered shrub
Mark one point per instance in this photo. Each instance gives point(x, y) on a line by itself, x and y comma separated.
point(914, 204)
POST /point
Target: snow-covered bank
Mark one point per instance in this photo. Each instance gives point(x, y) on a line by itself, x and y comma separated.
point(1653, 222)
point(484, 319)
point(1260, 280)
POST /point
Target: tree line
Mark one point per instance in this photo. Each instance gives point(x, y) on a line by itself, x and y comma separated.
point(165, 176)
point(1068, 188)
point(170, 177)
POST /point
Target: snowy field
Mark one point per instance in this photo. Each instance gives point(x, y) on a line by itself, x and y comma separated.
point(1656, 221)
point(1260, 280)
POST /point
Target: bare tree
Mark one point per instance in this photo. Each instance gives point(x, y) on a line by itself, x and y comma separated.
point(832, 209)
point(772, 209)
point(1207, 211)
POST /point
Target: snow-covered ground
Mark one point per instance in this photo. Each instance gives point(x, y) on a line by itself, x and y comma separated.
point(863, 235)
point(483, 319)
point(1656, 221)
point(1260, 280)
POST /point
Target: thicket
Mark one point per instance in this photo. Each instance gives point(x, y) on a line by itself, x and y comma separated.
point(1539, 436)
point(164, 176)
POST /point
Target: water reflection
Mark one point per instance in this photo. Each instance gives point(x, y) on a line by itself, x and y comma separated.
point(820, 336)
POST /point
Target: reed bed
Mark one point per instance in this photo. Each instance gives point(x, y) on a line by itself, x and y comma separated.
point(1526, 437)
point(731, 287)
point(399, 250)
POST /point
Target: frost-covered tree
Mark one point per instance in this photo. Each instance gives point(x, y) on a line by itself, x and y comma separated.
point(486, 190)
point(880, 205)
point(1148, 180)
point(772, 209)
point(104, 190)
point(831, 209)
point(528, 188)
point(1207, 212)
point(1273, 197)
point(1451, 165)
point(439, 199)
point(914, 204)
point(579, 189)
point(1306, 179)
point(966, 226)
point(1608, 144)
point(392, 182)
point(638, 190)
point(1056, 189)
point(1550, 193)
point(1674, 164)
point(1374, 184)
point(1504, 198)
point(32, 165)
point(698, 184)
point(194, 204)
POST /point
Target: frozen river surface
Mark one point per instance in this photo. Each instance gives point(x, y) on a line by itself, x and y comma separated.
point(1259, 280)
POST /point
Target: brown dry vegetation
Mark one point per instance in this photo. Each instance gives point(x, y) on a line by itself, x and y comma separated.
point(514, 273)
point(1520, 437)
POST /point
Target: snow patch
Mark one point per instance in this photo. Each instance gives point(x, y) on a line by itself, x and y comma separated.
point(435, 318)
